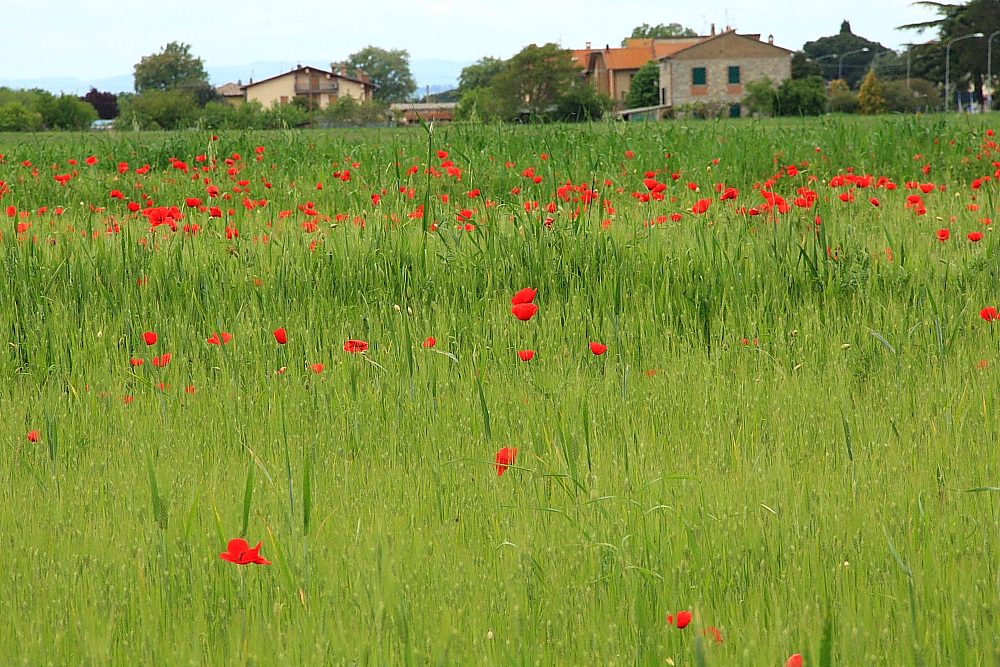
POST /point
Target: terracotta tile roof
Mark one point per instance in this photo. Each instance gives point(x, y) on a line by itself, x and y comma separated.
point(230, 90)
point(636, 54)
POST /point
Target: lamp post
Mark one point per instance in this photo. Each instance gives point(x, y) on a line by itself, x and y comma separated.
point(947, 66)
point(829, 55)
point(989, 70)
point(871, 63)
point(840, 69)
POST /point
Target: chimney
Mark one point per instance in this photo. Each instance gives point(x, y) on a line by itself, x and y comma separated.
point(770, 39)
point(588, 46)
point(343, 70)
point(713, 29)
point(607, 47)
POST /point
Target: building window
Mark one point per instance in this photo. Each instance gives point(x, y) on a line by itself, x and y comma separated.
point(735, 111)
point(283, 99)
point(663, 96)
point(734, 75)
point(698, 76)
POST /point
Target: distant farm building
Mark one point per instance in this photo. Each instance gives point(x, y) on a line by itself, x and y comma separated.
point(319, 87)
point(429, 112)
point(708, 70)
point(232, 93)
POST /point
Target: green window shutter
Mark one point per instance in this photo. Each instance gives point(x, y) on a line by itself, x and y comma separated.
point(734, 75)
point(698, 77)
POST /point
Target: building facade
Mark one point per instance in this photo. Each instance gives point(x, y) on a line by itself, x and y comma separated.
point(715, 71)
point(320, 87)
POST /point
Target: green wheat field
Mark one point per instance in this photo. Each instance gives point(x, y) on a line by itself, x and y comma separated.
point(792, 433)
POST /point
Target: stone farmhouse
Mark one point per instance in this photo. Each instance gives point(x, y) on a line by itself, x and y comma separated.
point(320, 87)
point(712, 69)
point(715, 70)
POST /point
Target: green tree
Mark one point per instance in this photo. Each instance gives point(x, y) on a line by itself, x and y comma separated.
point(159, 109)
point(968, 57)
point(484, 105)
point(536, 78)
point(15, 117)
point(387, 69)
point(172, 67)
point(65, 112)
point(802, 97)
point(871, 101)
point(921, 95)
point(855, 65)
point(582, 103)
point(646, 31)
point(803, 66)
point(479, 74)
point(645, 90)
point(761, 97)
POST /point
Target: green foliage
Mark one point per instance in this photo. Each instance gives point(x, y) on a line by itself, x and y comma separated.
point(802, 97)
point(483, 104)
point(870, 98)
point(968, 57)
point(921, 96)
point(173, 67)
point(536, 78)
point(349, 111)
point(15, 117)
point(794, 97)
point(855, 65)
point(645, 90)
point(761, 97)
point(582, 103)
point(65, 112)
point(159, 109)
point(646, 31)
point(387, 69)
point(480, 74)
point(844, 102)
point(803, 66)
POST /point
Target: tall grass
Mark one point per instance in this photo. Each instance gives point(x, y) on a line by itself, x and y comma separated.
point(808, 491)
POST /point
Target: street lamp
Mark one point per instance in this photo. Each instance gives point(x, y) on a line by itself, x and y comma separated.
point(947, 66)
point(840, 69)
point(989, 70)
point(829, 55)
point(871, 63)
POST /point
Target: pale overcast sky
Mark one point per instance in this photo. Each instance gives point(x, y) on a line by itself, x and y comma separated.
point(103, 38)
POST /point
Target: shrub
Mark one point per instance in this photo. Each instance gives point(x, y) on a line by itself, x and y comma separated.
point(761, 98)
point(645, 90)
point(15, 117)
point(159, 109)
point(871, 101)
point(66, 112)
point(802, 97)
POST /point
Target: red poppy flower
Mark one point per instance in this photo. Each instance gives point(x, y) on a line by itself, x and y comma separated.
point(150, 338)
point(355, 346)
point(316, 368)
point(976, 237)
point(701, 206)
point(430, 342)
point(713, 632)
point(443, 154)
point(138, 362)
point(91, 160)
point(505, 457)
point(875, 202)
point(943, 234)
point(117, 194)
point(526, 355)
point(524, 311)
point(794, 660)
point(527, 295)
point(162, 360)
point(682, 620)
point(192, 202)
point(597, 348)
point(241, 553)
point(190, 389)
point(214, 340)
point(281, 336)
point(34, 436)
point(989, 314)
point(128, 400)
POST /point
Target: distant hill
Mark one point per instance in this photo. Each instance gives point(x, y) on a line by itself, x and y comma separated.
point(439, 75)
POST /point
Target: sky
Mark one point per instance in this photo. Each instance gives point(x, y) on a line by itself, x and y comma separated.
point(94, 39)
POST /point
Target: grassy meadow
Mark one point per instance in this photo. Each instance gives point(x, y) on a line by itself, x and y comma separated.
point(792, 434)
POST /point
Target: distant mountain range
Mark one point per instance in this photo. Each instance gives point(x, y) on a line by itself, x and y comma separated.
point(437, 75)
